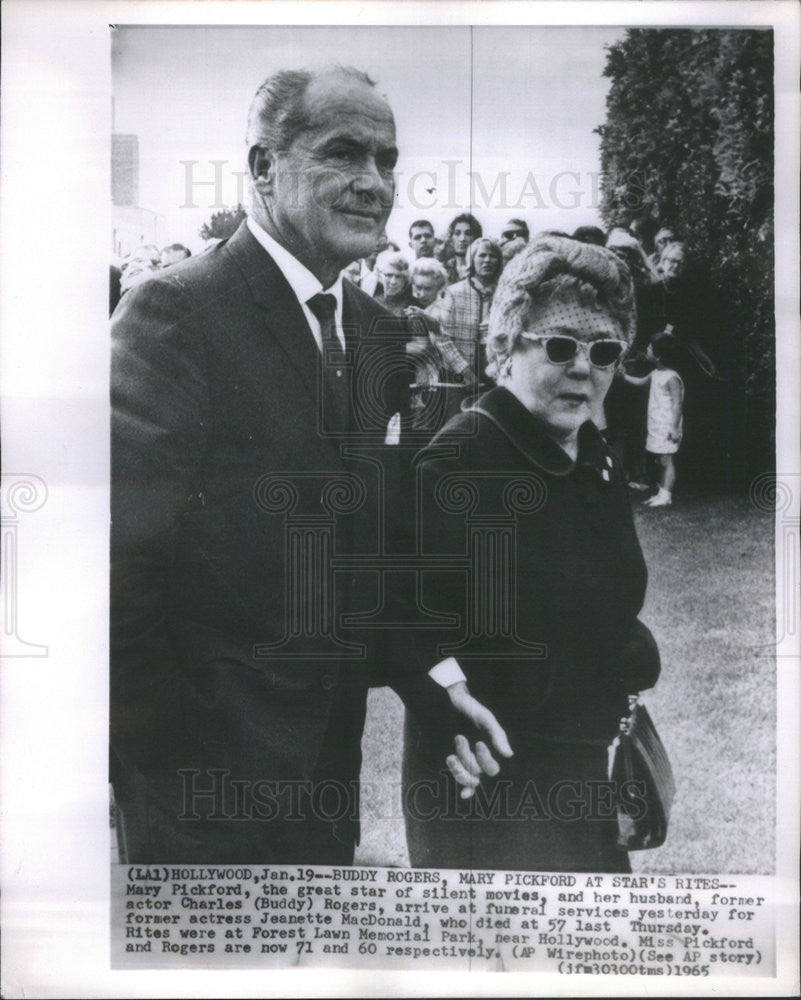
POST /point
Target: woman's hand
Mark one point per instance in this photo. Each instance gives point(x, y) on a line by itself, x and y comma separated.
point(466, 766)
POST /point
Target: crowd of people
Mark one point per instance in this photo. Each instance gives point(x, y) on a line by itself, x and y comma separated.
point(140, 264)
point(444, 286)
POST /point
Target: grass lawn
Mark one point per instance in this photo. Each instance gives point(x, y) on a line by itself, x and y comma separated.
point(710, 605)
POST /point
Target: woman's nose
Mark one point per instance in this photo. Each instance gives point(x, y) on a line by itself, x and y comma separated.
point(580, 364)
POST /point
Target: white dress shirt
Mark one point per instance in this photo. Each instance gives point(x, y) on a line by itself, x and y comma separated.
point(302, 282)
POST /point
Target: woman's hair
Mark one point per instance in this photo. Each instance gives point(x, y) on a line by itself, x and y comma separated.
point(471, 220)
point(546, 270)
point(391, 258)
point(428, 267)
point(483, 242)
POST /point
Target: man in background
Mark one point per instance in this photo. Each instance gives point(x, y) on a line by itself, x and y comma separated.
point(421, 238)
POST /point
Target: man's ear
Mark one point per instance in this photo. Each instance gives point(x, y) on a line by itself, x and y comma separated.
point(261, 163)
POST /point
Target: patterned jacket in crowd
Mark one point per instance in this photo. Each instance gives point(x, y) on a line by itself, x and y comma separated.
point(463, 314)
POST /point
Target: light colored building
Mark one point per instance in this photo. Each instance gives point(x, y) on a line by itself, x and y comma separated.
point(132, 225)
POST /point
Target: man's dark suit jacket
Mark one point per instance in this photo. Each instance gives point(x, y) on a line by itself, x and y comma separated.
point(229, 507)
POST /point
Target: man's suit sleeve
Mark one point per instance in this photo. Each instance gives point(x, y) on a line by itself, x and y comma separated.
point(412, 653)
point(160, 411)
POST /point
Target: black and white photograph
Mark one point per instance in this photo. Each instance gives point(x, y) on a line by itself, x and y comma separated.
point(275, 571)
point(432, 451)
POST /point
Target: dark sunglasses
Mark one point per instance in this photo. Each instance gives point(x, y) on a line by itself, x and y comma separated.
point(512, 234)
point(561, 349)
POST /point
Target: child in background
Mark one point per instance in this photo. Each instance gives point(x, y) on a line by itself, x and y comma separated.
point(665, 404)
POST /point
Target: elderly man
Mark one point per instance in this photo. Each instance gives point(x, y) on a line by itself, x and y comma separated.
point(256, 402)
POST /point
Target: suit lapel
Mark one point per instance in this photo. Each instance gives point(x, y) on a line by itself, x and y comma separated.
point(283, 316)
point(280, 308)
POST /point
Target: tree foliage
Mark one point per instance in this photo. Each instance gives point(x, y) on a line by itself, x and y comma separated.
point(688, 139)
point(222, 224)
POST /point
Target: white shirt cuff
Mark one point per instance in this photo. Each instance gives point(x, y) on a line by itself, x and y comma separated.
point(447, 672)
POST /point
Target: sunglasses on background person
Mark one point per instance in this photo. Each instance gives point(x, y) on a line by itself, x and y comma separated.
point(561, 349)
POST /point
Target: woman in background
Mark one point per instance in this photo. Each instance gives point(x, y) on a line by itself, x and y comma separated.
point(461, 232)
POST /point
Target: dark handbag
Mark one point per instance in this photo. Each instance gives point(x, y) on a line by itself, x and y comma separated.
point(643, 779)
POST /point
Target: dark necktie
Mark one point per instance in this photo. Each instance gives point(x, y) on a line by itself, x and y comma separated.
point(335, 396)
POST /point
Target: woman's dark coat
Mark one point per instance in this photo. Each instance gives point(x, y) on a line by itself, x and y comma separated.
point(542, 569)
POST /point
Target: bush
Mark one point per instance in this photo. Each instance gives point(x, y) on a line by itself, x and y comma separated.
point(688, 138)
point(223, 224)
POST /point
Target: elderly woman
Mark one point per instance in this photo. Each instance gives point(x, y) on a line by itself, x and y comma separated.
point(525, 511)
point(428, 278)
point(393, 270)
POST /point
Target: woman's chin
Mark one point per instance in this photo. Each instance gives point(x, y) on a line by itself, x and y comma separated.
point(569, 418)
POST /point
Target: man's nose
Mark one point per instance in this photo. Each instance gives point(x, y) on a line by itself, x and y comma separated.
point(370, 179)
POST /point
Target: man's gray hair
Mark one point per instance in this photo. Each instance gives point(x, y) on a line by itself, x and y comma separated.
point(545, 270)
point(278, 113)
